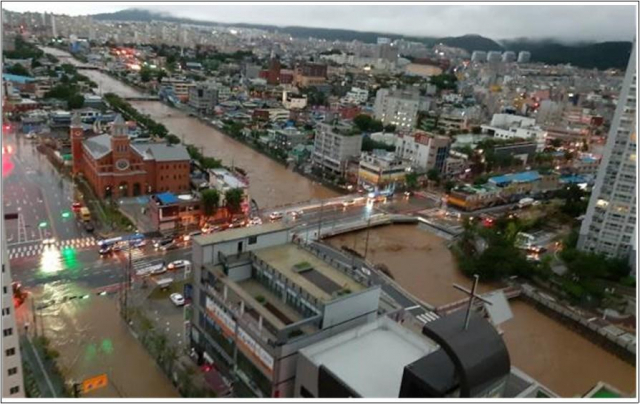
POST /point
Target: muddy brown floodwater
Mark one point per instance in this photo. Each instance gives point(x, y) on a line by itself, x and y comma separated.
point(270, 183)
point(545, 349)
point(92, 339)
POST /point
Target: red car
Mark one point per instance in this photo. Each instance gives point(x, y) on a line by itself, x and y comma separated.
point(76, 206)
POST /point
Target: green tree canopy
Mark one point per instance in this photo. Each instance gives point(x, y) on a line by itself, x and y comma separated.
point(411, 179)
point(367, 124)
point(210, 201)
point(19, 70)
point(233, 198)
point(75, 101)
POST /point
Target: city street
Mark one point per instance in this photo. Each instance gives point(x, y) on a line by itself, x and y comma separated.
point(42, 199)
point(40, 196)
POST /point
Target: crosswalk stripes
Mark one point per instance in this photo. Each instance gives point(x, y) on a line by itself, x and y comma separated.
point(36, 249)
point(427, 317)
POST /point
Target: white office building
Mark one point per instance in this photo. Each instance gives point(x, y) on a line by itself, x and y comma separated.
point(423, 150)
point(334, 146)
point(356, 96)
point(508, 126)
point(399, 107)
point(610, 224)
point(12, 381)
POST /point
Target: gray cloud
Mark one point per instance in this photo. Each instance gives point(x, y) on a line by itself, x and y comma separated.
point(590, 22)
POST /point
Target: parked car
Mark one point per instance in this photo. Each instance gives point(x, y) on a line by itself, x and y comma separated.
point(76, 206)
point(350, 202)
point(275, 216)
point(169, 246)
point(177, 299)
point(179, 264)
point(162, 242)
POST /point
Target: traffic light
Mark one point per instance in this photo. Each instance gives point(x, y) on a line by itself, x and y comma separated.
point(66, 214)
point(42, 224)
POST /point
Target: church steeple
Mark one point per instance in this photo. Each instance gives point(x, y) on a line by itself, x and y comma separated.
point(119, 127)
point(76, 133)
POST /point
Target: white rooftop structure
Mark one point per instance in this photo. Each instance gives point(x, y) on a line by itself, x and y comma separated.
point(224, 179)
point(371, 359)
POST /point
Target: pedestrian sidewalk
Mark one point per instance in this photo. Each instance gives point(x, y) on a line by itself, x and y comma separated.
point(49, 384)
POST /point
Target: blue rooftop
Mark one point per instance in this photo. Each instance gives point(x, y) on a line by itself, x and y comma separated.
point(167, 198)
point(525, 176)
point(16, 79)
point(573, 179)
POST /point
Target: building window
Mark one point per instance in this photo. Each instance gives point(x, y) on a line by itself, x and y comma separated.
point(253, 239)
point(10, 352)
point(14, 390)
point(6, 312)
point(12, 371)
point(4, 290)
point(7, 332)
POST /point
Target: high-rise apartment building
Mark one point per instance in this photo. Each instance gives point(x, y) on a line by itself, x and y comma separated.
point(12, 384)
point(610, 224)
point(524, 57)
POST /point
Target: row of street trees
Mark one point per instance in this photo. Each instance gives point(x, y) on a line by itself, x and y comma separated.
point(211, 201)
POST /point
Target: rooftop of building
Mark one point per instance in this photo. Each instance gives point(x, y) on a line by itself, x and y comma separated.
point(228, 178)
point(16, 78)
point(100, 145)
point(473, 189)
point(318, 278)
point(240, 233)
point(522, 177)
point(371, 359)
point(603, 390)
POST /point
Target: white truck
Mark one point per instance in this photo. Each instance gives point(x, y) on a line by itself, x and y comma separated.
point(164, 283)
point(524, 202)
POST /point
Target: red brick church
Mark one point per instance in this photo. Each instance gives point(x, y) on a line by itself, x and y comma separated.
point(115, 167)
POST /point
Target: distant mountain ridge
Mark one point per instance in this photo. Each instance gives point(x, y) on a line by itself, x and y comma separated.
point(601, 55)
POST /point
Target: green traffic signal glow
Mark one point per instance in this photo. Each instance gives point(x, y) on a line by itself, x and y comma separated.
point(42, 224)
point(66, 214)
point(69, 258)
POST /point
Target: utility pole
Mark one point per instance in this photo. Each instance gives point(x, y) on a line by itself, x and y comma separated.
point(366, 243)
point(320, 221)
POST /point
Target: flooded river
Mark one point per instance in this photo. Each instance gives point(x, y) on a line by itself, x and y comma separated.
point(271, 184)
point(559, 358)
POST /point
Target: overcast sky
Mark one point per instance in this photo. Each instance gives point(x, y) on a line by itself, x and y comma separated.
point(565, 22)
